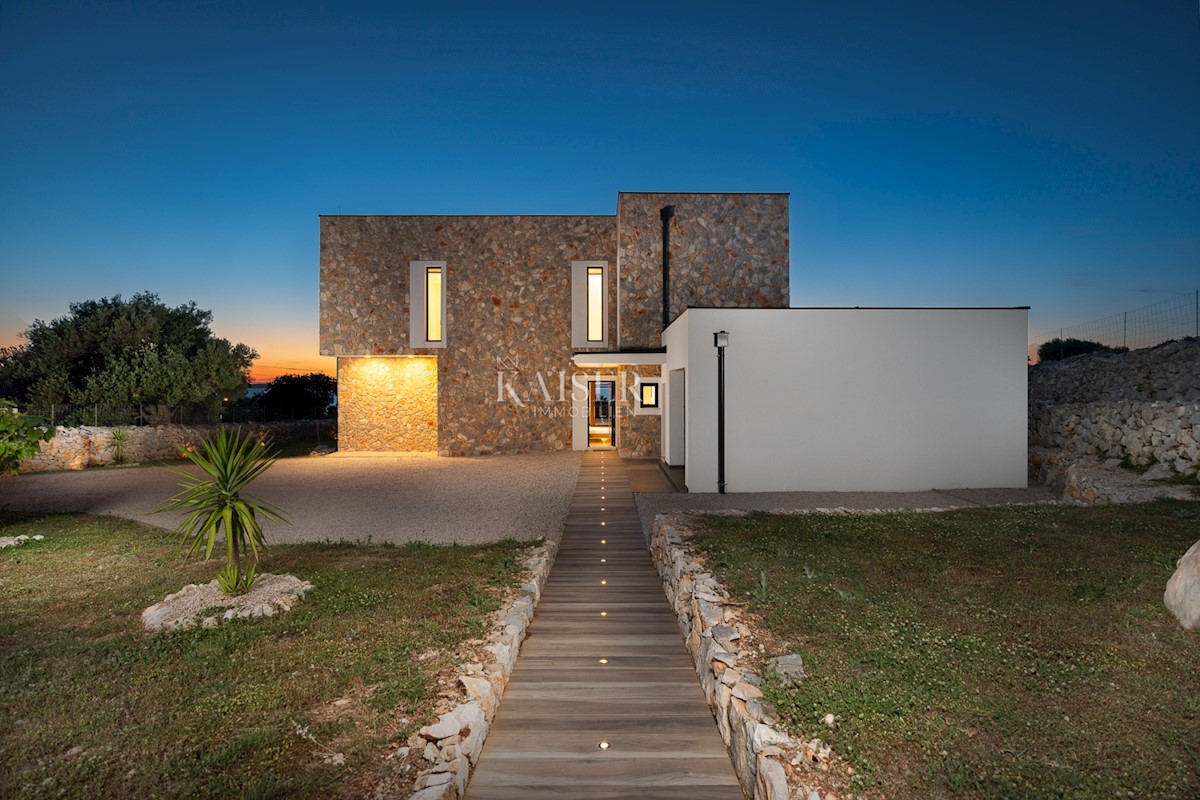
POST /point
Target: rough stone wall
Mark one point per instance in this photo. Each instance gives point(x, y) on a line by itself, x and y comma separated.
point(769, 764)
point(1168, 372)
point(1145, 433)
point(508, 315)
point(727, 250)
point(638, 435)
point(388, 404)
point(1143, 405)
point(88, 446)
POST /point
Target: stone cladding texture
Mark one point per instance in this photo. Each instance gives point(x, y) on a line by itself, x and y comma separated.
point(638, 435)
point(727, 250)
point(508, 315)
point(1143, 406)
point(387, 404)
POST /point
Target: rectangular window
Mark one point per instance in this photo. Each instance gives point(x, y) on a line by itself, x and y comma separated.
point(427, 304)
point(589, 304)
point(595, 304)
point(649, 395)
point(433, 304)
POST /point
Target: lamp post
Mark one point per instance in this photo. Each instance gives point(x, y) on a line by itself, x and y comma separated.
point(721, 341)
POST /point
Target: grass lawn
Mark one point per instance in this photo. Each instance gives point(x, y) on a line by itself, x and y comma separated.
point(984, 653)
point(91, 706)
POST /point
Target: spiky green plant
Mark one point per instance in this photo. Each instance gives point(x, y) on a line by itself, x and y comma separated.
point(216, 506)
point(118, 438)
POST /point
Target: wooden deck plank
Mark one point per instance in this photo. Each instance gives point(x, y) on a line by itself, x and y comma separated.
point(562, 701)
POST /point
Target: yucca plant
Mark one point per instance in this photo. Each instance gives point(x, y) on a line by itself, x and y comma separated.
point(118, 438)
point(216, 507)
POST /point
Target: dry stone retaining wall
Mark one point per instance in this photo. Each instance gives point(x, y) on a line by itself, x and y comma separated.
point(1143, 406)
point(450, 747)
point(88, 446)
point(770, 764)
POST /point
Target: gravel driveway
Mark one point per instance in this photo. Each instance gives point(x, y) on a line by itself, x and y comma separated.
point(389, 497)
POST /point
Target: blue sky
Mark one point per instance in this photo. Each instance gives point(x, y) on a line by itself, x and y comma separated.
point(937, 152)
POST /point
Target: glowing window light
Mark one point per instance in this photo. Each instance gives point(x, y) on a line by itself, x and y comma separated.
point(649, 396)
point(595, 304)
point(433, 304)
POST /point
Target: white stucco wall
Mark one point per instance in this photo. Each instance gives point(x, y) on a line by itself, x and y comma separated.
point(855, 399)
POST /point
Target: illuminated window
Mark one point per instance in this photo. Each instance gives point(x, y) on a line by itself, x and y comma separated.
point(589, 304)
point(595, 304)
point(648, 396)
point(427, 304)
point(433, 304)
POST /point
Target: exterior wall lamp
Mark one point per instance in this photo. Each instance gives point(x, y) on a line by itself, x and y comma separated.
point(721, 341)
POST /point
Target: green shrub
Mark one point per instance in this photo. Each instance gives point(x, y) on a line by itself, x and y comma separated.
point(1058, 349)
point(21, 436)
point(216, 506)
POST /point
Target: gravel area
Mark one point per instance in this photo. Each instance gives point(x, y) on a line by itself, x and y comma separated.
point(381, 497)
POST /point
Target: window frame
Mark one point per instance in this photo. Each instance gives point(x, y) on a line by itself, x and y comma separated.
point(419, 273)
point(583, 274)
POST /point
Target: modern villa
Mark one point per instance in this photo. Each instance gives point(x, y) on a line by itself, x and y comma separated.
point(474, 335)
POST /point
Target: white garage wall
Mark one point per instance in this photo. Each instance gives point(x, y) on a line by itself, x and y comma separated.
point(856, 399)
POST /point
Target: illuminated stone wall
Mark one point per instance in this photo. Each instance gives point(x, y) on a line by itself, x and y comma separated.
point(508, 311)
point(508, 315)
point(727, 251)
point(387, 404)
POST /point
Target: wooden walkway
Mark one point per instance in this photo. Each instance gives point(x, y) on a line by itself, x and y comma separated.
point(604, 701)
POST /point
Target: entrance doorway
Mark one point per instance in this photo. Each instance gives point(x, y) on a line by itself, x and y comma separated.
point(602, 408)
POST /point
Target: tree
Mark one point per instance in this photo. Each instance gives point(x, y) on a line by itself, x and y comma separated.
point(21, 436)
point(300, 396)
point(135, 352)
point(1057, 349)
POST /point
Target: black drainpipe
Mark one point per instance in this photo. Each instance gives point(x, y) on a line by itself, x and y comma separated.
point(665, 214)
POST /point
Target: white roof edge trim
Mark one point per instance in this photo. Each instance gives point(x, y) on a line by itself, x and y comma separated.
point(618, 359)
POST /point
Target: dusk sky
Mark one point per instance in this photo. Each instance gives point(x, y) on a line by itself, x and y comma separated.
point(937, 152)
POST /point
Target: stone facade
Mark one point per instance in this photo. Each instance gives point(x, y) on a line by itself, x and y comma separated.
point(387, 404)
point(505, 373)
point(727, 251)
point(1143, 406)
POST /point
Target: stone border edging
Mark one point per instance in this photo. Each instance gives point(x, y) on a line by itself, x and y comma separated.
point(767, 761)
point(453, 743)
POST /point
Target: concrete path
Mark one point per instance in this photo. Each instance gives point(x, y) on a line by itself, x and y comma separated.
point(604, 701)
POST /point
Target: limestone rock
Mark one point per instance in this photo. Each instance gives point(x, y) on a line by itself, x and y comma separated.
point(789, 667)
point(771, 780)
point(1183, 589)
point(1158, 472)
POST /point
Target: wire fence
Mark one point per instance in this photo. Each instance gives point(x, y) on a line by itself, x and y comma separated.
point(1176, 318)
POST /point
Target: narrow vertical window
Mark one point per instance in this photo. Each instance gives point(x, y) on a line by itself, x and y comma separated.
point(595, 304)
point(433, 304)
point(427, 282)
point(589, 304)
